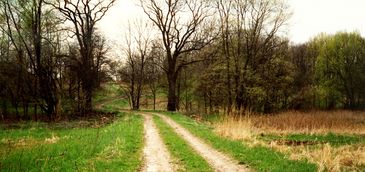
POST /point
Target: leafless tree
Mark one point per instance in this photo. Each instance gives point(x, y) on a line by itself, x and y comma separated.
point(84, 14)
point(100, 58)
point(154, 73)
point(29, 25)
point(137, 50)
point(181, 26)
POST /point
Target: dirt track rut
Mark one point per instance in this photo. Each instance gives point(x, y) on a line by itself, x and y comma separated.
point(217, 160)
point(156, 155)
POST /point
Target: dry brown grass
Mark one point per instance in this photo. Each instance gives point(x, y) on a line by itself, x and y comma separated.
point(314, 122)
point(28, 142)
point(327, 157)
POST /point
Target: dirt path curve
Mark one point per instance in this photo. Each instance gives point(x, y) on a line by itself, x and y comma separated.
point(156, 155)
point(217, 160)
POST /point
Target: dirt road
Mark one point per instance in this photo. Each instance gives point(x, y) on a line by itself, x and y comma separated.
point(156, 156)
point(217, 160)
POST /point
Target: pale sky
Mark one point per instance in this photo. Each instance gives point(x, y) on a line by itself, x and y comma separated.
point(310, 17)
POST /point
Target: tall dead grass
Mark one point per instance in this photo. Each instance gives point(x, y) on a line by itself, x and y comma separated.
point(327, 157)
point(314, 122)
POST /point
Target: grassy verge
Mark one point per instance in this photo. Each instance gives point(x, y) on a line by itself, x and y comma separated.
point(258, 157)
point(39, 148)
point(186, 156)
point(74, 145)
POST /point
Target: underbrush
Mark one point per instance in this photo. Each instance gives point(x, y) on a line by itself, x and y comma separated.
point(108, 95)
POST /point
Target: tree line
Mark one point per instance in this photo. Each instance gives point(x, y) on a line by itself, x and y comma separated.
point(205, 56)
point(52, 57)
point(233, 56)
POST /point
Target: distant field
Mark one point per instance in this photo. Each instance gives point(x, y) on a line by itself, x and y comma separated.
point(334, 140)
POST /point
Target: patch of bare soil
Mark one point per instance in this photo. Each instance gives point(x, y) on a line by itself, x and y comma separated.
point(217, 160)
point(156, 155)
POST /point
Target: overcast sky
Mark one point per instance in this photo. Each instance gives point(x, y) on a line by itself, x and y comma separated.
point(310, 17)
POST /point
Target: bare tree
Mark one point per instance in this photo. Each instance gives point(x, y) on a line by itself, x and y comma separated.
point(181, 26)
point(84, 14)
point(100, 58)
point(137, 51)
point(29, 25)
point(153, 72)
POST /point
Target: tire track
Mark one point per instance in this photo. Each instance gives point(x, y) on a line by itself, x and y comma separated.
point(217, 160)
point(156, 155)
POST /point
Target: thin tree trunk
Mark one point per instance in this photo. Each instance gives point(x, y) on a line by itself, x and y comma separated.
point(35, 112)
point(154, 101)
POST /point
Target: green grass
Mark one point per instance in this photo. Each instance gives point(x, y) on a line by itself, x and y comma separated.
point(332, 139)
point(74, 146)
point(70, 146)
point(116, 105)
point(110, 93)
point(117, 146)
point(107, 92)
point(186, 156)
point(258, 158)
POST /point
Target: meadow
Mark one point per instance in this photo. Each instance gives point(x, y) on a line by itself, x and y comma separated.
point(114, 141)
point(334, 140)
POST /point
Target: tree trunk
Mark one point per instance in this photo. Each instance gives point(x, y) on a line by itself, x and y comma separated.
point(35, 112)
point(178, 93)
point(4, 108)
point(186, 92)
point(154, 101)
point(210, 102)
point(229, 87)
point(172, 98)
point(205, 103)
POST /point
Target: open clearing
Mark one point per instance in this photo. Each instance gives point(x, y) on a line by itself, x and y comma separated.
point(133, 142)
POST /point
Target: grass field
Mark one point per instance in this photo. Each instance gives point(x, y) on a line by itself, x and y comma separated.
point(40, 147)
point(108, 92)
point(290, 141)
point(80, 145)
